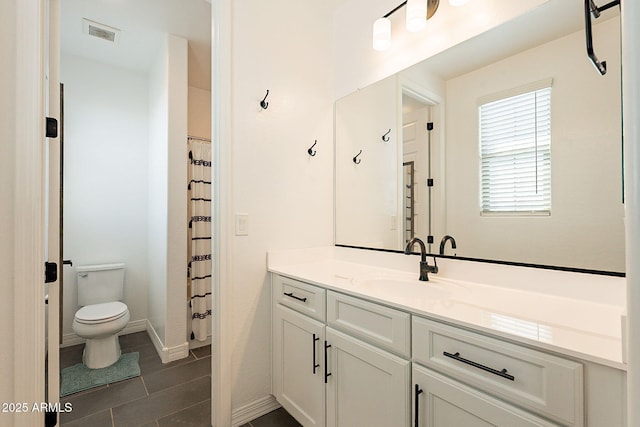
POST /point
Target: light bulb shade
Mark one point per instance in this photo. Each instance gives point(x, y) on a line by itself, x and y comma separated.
point(458, 2)
point(382, 34)
point(416, 15)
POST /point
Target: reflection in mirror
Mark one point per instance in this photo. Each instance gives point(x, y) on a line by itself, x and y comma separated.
point(582, 229)
point(408, 185)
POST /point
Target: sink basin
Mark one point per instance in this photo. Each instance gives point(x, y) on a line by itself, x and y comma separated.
point(433, 288)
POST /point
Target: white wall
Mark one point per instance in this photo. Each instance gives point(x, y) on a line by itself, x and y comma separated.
point(199, 111)
point(358, 65)
point(177, 193)
point(285, 47)
point(157, 192)
point(7, 219)
point(167, 214)
point(105, 175)
point(587, 212)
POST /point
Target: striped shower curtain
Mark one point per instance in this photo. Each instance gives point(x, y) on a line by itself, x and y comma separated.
point(199, 237)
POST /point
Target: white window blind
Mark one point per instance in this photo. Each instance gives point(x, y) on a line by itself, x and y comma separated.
point(515, 151)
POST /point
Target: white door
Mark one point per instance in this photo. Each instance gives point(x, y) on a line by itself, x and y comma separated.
point(53, 249)
point(367, 387)
point(298, 382)
point(439, 401)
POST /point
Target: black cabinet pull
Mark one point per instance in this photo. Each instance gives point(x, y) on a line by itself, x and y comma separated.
point(291, 295)
point(418, 392)
point(315, 365)
point(502, 373)
point(327, 374)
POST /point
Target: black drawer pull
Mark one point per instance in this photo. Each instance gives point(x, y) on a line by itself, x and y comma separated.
point(315, 365)
point(291, 295)
point(502, 373)
point(327, 374)
point(418, 392)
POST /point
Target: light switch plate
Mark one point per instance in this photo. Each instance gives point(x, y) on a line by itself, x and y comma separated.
point(242, 224)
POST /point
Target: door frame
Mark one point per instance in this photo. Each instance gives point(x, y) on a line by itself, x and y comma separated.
point(54, 212)
point(221, 381)
point(29, 211)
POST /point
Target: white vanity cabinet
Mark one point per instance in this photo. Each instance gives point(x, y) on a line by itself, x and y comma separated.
point(345, 361)
point(364, 384)
point(548, 385)
point(298, 365)
point(439, 401)
point(298, 328)
point(368, 387)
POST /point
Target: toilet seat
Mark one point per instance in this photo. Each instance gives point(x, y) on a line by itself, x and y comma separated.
point(101, 313)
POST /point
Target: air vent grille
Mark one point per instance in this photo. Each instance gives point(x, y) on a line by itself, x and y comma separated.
point(100, 31)
point(103, 34)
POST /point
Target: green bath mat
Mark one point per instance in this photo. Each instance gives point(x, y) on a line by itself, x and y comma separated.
point(78, 377)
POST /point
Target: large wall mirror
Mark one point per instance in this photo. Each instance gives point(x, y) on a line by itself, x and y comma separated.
point(381, 129)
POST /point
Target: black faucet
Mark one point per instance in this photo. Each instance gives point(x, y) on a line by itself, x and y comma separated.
point(425, 268)
point(443, 243)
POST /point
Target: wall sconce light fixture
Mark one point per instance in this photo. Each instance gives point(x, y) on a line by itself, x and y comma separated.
point(418, 11)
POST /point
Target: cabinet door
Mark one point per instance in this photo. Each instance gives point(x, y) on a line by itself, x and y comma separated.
point(298, 366)
point(439, 401)
point(366, 386)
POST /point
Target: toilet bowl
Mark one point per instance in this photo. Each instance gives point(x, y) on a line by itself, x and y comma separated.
point(103, 315)
point(99, 324)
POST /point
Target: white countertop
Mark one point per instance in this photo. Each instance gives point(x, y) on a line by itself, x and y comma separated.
point(585, 327)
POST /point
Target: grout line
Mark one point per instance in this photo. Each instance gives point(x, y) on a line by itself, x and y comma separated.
point(183, 383)
point(183, 409)
point(179, 366)
point(144, 384)
point(112, 421)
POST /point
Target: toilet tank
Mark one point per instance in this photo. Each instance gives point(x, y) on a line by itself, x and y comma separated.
point(100, 283)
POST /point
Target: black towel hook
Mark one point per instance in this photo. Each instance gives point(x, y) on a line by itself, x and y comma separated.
point(311, 151)
point(386, 137)
point(264, 104)
point(356, 160)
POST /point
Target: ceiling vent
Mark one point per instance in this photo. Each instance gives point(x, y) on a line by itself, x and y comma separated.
point(100, 31)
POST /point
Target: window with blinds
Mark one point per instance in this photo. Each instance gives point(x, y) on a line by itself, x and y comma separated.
point(515, 151)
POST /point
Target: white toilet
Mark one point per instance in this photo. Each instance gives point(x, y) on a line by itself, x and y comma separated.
point(103, 315)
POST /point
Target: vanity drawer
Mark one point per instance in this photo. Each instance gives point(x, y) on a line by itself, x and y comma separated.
point(382, 326)
point(547, 384)
point(302, 297)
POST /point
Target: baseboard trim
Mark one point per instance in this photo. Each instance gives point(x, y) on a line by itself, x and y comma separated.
point(132, 327)
point(167, 354)
point(253, 410)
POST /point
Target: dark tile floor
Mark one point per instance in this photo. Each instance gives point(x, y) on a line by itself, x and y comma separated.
point(277, 418)
point(164, 395)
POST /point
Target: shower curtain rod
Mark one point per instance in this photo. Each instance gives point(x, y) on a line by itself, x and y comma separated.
point(197, 138)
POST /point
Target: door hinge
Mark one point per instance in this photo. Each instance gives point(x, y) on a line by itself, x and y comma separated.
point(429, 182)
point(429, 239)
point(430, 126)
point(52, 128)
point(50, 272)
point(50, 418)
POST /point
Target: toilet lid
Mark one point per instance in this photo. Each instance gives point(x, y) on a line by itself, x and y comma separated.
point(101, 312)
